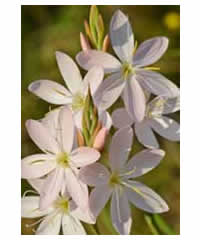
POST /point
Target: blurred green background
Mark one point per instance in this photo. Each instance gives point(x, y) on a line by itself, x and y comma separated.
point(46, 29)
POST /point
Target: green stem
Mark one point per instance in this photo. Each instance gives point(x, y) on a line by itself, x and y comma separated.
point(150, 224)
point(162, 225)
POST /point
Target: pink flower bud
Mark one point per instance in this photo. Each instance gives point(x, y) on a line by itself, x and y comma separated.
point(84, 42)
point(100, 139)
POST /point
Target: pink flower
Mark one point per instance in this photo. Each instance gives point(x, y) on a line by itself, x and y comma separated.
point(118, 184)
point(59, 160)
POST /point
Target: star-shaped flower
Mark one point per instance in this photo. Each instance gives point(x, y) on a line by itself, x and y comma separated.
point(60, 161)
point(129, 76)
point(154, 119)
point(118, 182)
point(62, 213)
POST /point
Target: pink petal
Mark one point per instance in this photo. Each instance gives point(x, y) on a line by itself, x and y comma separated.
point(41, 136)
point(84, 42)
point(120, 148)
point(121, 118)
point(94, 174)
point(37, 165)
point(105, 119)
point(84, 156)
point(93, 58)
point(51, 188)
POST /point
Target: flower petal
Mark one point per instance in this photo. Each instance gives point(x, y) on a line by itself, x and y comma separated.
point(99, 200)
point(50, 91)
point(109, 91)
point(166, 127)
point(30, 208)
point(105, 119)
point(143, 162)
point(72, 226)
point(84, 156)
point(94, 174)
point(51, 188)
point(150, 51)
point(121, 36)
point(121, 213)
point(41, 136)
point(37, 183)
point(50, 225)
point(93, 78)
point(78, 119)
point(37, 165)
point(157, 84)
point(121, 118)
point(77, 189)
point(69, 72)
point(164, 105)
point(78, 213)
point(91, 58)
point(66, 128)
point(120, 148)
point(145, 198)
point(145, 135)
point(134, 99)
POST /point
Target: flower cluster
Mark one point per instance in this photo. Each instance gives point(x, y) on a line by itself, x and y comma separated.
point(71, 182)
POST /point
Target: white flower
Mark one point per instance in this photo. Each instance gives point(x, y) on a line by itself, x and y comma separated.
point(155, 119)
point(59, 160)
point(62, 213)
point(119, 184)
point(129, 75)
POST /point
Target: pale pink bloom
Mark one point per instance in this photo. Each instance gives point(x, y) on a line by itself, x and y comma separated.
point(129, 76)
point(62, 213)
point(155, 120)
point(77, 91)
point(59, 160)
point(118, 184)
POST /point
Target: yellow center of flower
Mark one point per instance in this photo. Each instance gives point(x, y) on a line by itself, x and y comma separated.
point(127, 69)
point(78, 102)
point(63, 159)
point(62, 204)
point(114, 180)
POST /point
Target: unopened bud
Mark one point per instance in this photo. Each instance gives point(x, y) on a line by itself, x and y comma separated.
point(100, 139)
point(80, 139)
point(106, 43)
point(84, 42)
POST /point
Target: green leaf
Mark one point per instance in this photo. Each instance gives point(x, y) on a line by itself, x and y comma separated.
point(161, 224)
point(100, 31)
point(93, 19)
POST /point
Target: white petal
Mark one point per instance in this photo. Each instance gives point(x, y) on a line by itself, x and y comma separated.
point(50, 121)
point(145, 198)
point(85, 216)
point(78, 119)
point(109, 91)
point(134, 99)
point(84, 156)
point(144, 162)
point(157, 84)
point(70, 72)
point(41, 136)
point(37, 183)
point(121, 36)
point(163, 105)
point(93, 78)
point(120, 148)
point(166, 127)
point(145, 135)
point(94, 174)
point(72, 226)
point(51, 188)
point(77, 189)
point(120, 212)
point(150, 51)
point(37, 165)
point(105, 119)
point(50, 225)
point(98, 198)
point(50, 91)
point(66, 128)
point(91, 58)
point(30, 208)
point(121, 118)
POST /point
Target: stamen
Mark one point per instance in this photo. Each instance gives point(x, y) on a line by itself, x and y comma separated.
point(135, 47)
point(59, 92)
point(29, 191)
point(152, 68)
point(35, 223)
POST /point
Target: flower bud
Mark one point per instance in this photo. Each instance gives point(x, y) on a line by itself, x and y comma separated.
point(100, 139)
point(84, 42)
